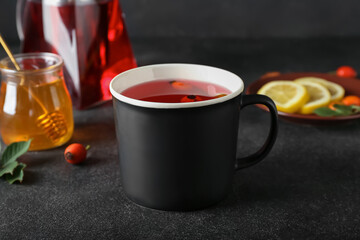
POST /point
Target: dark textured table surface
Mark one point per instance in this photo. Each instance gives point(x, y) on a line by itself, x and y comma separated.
point(307, 188)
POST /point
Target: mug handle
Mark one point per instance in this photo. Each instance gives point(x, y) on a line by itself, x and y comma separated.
point(269, 143)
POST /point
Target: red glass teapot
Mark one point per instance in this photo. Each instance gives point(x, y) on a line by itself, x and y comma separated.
point(89, 35)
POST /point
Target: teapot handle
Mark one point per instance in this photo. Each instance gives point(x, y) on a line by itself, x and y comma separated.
point(20, 6)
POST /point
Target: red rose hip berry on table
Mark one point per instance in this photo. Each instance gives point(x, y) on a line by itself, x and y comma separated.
point(346, 71)
point(75, 153)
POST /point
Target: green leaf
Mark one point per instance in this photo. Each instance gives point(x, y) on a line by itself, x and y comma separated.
point(13, 151)
point(18, 174)
point(8, 168)
point(356, 109)
point(343, 109)
point(326, 112)
point(340, 110)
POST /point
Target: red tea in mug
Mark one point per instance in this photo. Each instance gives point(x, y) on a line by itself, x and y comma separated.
point(175, 91)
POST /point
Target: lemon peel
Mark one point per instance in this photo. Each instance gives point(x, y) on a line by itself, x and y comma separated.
point(288, 96)
point(337, 92)
point(319, 97)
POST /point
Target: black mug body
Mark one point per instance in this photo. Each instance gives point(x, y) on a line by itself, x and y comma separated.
point(177, 159)
point(182, 156)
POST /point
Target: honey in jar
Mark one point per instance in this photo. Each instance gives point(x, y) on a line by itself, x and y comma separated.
point(34, 102)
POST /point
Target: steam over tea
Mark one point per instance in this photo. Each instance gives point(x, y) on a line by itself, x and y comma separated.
point(175, 91)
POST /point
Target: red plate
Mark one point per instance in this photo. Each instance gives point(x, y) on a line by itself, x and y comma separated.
point(351, 86)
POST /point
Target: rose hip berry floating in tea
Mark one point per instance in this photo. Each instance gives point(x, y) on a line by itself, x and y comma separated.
point(191, 98)
point(180, 85)
point(220, 95)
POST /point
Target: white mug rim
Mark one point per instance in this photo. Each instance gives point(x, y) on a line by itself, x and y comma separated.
point(238, 89)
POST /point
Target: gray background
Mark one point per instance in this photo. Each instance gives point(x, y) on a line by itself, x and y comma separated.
point(245, 19)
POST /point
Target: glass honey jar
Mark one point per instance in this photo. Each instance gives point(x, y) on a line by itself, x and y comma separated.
point(34, 101)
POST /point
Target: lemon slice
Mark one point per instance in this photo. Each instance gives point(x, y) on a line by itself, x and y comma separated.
point(319, 96)
point(337, 92)
point(288, 96)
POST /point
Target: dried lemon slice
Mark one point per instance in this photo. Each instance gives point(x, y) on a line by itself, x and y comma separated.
point(337, 92)
point(288, 96)
point(319, 96)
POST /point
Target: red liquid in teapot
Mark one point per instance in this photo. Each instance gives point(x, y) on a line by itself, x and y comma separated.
point(91, 38)
point(175, 91)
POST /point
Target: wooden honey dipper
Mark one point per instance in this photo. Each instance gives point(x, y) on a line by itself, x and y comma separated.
point(52, 123)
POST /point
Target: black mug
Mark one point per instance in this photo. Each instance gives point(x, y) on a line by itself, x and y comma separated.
point(182, 156)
